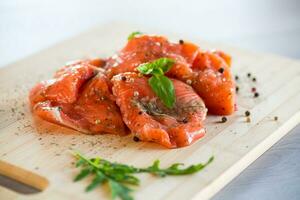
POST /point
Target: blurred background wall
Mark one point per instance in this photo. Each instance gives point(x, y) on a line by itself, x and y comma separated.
point(27, 26)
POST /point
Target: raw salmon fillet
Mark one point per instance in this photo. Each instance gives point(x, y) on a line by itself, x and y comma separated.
point(78, 97)
point(150, 120)
point(207, 72)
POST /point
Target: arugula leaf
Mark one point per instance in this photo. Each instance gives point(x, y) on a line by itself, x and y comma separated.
point(163, 88)
point(160, 84)
point(98, 180)
point(119, 190)
point(84, 173)
point(133, 34)
point(119, 176)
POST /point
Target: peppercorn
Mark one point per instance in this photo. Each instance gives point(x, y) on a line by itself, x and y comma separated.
point(256, 94)
point(275, 118)
point(254, 79)
point(185, 121)
point(247, 113)
point(123, 78)
point(249, 74)
point(221, 70)
point(224, 119)
point(181, 42)
point(253, 89)
point(236, 77)
point(136, 139)
point(237, 88)
point(140, 112)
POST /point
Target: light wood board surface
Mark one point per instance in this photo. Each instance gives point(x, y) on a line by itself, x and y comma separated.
point(38, 153)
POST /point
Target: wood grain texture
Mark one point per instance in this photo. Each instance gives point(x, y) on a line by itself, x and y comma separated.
point(43, 148)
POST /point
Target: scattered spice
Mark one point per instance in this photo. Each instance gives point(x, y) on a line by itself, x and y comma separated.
point(256, 94)
point(140, 112)
point(236, 77)
point(136, 139)
point(123, 78)
point(181, 42)
point(253, 89)
point(185, 121)
point(224, 119)
point(276, 118)
point(248, 120)
point(221, 70)
point(247, 113)
point(249, 75)
point(254, 79)
point(237, 88)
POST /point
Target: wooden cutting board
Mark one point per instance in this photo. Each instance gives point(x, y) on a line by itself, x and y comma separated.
point(38, 153)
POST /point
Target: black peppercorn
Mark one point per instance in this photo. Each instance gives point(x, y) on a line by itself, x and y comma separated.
point(136, 139)
point(184, 121)
point(140, 112)
point(123, 78)
point(181, 42)
point(237, 88)
point(221, 70)
point(224, 119)
point(254, 79)
point(247, 113)
point(236, 77)
point(256, 94)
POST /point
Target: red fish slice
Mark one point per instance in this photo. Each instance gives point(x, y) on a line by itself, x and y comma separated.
point(150, 120)
point(79, 99)
point(193, 66)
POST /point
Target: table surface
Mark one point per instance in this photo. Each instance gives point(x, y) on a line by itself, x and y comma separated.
point(264, 26)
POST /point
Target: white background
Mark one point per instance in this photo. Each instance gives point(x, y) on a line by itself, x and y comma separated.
point(259, 25)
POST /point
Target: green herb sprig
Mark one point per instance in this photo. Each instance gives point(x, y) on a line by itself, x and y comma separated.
point(160, 84)
point(119, 176)
point(133, 34)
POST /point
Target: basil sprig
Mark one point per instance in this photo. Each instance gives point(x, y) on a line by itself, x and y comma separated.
point(160, 84)
point(133, 34)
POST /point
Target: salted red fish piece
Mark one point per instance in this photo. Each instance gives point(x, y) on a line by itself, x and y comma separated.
point(214, 83)
point(146, 48)
point(199, 68)
point(148, 118)
point(78, 97)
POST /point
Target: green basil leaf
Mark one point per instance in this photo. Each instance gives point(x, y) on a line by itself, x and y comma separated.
point(164, 63)
point(145, 68)
point(164, 89)
point(133, 34)
point(158, 67)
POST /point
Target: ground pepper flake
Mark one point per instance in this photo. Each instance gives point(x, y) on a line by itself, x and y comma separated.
point(276, 118)
point(256, 94)
point(221, 70)
point(181, 42)
point(249, 75)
